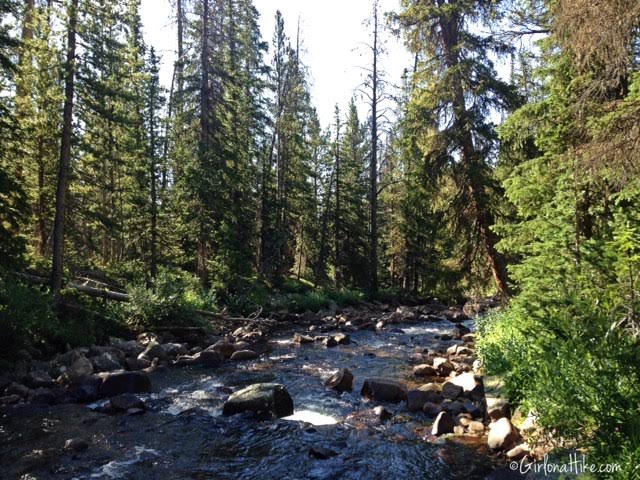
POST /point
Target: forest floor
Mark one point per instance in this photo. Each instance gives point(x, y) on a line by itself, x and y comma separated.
point(411, 403)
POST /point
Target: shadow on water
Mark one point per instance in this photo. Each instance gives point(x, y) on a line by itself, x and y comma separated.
point(183, 435)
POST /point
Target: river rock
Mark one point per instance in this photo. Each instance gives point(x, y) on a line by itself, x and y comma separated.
point(321, 453)
point(443, 424)
point(269, 399)
point(130, 348)
point(146, 338)
point(432, 409)
point(76, 445)
point(382, 413)
point(518, 452)
point(153, 350)
point(301, 339)
point(10, 399)
point(125, 402)
point(222, 346)
point(242, 345)
point(417, 398)
point(502, 435)
point(497, 408)
point(476, 427)
point(424, 370)
point(79, 369)
point(134, 364)
point(461, 330)
point(469, 338)
point(17, 389)
point(475, 409)
point(341, 381)
point(124, 382)
point(242, 355)
point(38, 379)
point(342, 339)
point(209, 358)
point(471, 385)
point(174, 349)
point(443, 366)
point(451, 390)
point(105, 362)
point(383, 390)
point(44, 396)
point(86, 390)
point(330, 342)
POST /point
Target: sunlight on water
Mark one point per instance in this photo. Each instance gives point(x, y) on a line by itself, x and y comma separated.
point(314, 418)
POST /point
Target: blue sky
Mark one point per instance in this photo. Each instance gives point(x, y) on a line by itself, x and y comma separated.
point(333, 34)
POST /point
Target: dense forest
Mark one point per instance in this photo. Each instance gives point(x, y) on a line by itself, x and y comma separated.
point(506, 163)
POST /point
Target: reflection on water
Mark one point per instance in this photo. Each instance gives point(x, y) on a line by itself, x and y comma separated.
point(314, 418)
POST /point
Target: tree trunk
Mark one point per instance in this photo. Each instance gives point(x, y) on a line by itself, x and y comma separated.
point(373, 239)
point(65, 153)
point(203, 250)
point(470, 157)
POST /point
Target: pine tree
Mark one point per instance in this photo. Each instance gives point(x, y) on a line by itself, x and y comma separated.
point(453, 69)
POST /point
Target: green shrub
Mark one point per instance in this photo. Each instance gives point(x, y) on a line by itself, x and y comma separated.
point(173, 298)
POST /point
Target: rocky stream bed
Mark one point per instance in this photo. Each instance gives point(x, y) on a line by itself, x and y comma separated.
point(377, 393)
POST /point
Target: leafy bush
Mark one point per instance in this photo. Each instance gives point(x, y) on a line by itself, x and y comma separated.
point(173, 298)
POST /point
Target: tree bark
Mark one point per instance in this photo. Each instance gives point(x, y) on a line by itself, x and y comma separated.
point(65, 153)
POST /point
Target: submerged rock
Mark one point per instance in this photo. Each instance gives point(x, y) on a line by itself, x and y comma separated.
point(125, 402)
point(341, 381)
point(124, 382)
point(271, 399)
point(383, 390)
point(75, 445)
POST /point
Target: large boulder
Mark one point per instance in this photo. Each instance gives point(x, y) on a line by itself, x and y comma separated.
point(341, 381)
point(503, 435)
point(264, 399)
point(383, 390)
point(444, 424)
point(124, 382)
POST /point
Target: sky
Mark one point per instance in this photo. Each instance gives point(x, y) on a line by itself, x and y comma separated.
point(333, 34)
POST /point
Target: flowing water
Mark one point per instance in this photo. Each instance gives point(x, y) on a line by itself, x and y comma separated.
point(183, 435)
